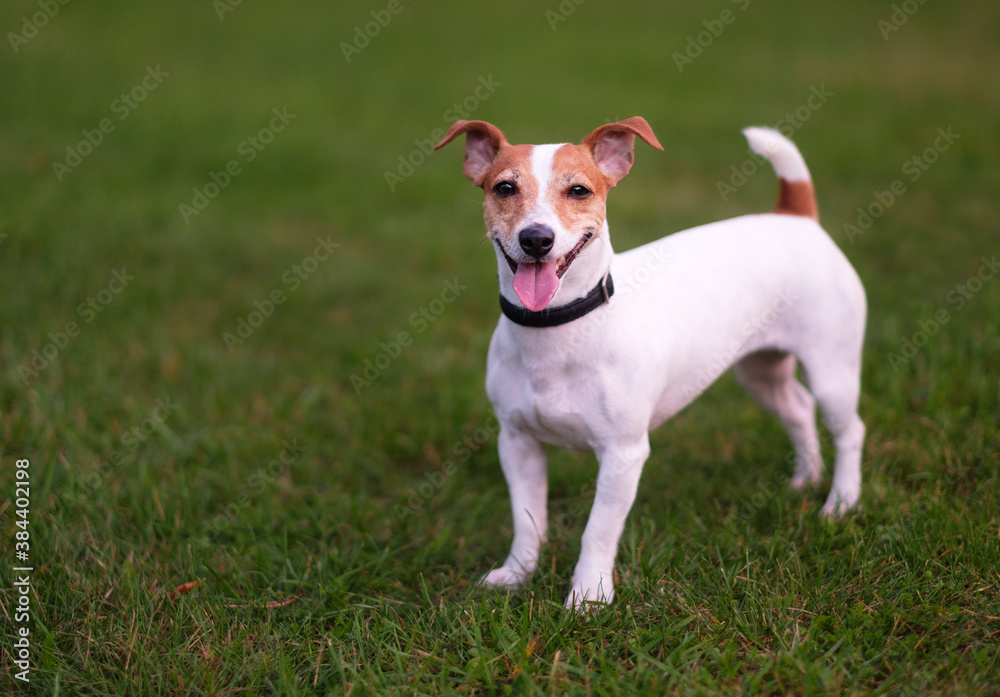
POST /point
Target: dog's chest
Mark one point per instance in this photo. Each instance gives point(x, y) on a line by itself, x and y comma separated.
point(560, 402)
point(556, 413)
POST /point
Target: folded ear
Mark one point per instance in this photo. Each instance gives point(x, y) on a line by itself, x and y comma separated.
point(482, 143)
point(612, 144)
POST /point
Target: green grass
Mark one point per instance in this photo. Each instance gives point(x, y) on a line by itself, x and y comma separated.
point(350, 567)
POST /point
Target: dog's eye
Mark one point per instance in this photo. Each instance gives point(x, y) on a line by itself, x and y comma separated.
point(504, 189)
point(578, 192)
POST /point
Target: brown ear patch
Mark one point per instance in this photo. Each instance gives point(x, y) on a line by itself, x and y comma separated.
point(483, 141)
point(636, 125)
point(612, 145)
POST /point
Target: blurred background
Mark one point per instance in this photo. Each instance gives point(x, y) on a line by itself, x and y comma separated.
point(170, 169)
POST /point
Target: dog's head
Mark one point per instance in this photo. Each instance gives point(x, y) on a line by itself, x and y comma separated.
point(545, 203)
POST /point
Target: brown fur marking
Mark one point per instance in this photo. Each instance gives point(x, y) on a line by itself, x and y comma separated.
point(797, 198)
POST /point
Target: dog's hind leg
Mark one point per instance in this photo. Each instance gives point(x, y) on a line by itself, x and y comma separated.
point(523, 461)
point(769, 377)
point(837, 392)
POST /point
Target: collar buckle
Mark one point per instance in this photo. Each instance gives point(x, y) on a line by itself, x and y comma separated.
point(604, 287)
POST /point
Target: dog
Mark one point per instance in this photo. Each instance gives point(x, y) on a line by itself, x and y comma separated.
point(594, 349)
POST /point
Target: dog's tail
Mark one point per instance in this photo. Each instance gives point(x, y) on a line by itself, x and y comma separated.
point(795, 189)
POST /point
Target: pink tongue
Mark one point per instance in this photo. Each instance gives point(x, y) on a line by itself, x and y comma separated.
point(535, 284)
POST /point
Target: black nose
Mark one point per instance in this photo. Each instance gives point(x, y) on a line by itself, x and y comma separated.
point(537, 240)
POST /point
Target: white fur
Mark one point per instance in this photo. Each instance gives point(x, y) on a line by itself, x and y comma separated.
point(542, 212)
point(757, 292)
point(782, 153)
point(541, 167)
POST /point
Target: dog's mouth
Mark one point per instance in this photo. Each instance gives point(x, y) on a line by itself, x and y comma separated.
point(536, 283)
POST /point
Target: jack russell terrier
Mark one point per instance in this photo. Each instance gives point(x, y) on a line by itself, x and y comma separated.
point(574, 364)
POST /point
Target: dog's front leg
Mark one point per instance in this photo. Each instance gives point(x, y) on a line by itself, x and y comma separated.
point(617, 482)
point(523, 460)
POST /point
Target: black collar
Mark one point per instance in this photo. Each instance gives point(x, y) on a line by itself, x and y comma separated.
point(553, 317)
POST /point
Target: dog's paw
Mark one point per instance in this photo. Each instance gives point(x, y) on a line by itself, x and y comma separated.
point(808, 471)
point(590, 592)
point(580, 600)
point(504, 578)
point(805, 480)
point(838, 505)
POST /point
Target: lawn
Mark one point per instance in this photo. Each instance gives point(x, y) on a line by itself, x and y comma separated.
point(244, 322)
